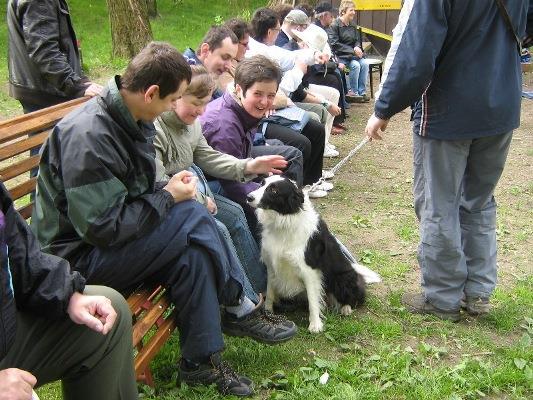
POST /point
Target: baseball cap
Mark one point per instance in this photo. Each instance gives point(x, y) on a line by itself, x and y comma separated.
point(297, 17)
point(324, 6)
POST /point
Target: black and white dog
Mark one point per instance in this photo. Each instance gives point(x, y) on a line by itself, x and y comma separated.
point(301, 254)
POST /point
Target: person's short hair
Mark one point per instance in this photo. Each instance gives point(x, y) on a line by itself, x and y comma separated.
point(157, 64)
point(345, 5)
point(202, 83)
point(306, 8)
point(263, 20)
point(282, 10)
point(215, 36)
point(256, 69)
point(239, 27)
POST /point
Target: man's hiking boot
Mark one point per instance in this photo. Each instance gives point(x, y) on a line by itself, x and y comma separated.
point(260, 325)
point(215, 371)
point(417, 304)
point(476, 305)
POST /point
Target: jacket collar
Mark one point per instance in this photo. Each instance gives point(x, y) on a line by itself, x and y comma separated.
point(234, 103)
point(120, 112)
point(170, 119)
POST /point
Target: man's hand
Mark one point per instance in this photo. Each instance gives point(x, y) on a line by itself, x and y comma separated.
point(358, 52)
point(265, 165)
point(334, 109)
point(182, 186)
point(96, 312)
point(341, 66)
point(211, 206)
point(374, 125)
point(321, 58)
point(93, 89)
point(16, 384)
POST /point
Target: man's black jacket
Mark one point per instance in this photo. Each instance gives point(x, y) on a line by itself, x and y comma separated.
point(30, 280)
point(43, 58)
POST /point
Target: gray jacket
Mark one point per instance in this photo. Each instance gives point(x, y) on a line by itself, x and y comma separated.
point(178, 146)
point(43, 59)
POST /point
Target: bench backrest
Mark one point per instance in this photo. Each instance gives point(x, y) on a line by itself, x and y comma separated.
point(15, 141)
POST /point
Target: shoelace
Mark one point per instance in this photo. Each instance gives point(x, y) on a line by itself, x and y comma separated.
point(227, 374)
point(272, 318)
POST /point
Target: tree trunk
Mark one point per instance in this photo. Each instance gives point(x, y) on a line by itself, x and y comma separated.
point(130, 26)
point(152, 8)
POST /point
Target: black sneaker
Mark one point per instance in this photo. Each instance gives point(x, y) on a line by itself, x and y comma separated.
point(218, 372)
point(260, 325)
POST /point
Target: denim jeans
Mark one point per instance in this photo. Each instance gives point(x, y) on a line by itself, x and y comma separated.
point(187, 254)
point(231, 215)
point(358, 74)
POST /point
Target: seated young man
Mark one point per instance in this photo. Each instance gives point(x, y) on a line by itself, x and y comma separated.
point(43, 307)
point(99, 206)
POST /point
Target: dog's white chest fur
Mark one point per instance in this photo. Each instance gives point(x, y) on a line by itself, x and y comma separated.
point(285, 239)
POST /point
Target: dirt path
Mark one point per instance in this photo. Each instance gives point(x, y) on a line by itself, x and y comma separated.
point(371, 206)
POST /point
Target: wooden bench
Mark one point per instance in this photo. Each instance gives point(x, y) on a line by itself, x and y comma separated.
point(153, 319)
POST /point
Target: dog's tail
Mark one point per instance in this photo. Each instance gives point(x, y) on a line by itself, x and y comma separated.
point(368, 275)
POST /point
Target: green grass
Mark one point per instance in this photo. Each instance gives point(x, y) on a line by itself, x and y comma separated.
point(382, 351)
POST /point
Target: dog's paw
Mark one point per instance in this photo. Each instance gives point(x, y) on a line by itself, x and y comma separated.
point(316, 326)
point(346, 310)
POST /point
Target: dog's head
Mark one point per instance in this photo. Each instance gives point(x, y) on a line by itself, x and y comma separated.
point(278, 194)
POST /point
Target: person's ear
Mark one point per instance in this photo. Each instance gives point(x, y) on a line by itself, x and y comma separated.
point(238, 91)
point(204, 51)
point(151, 93)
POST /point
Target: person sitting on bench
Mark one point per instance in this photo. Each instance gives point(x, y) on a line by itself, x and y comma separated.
point(99, 206)
point(43, 309)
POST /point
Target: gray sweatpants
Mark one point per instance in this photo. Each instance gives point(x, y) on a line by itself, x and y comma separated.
point(453, 190)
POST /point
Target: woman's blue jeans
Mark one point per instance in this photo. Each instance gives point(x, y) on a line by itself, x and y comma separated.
point(358, 74)
point(232, 216)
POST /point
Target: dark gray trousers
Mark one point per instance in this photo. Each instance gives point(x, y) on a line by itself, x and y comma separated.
point(90, 365)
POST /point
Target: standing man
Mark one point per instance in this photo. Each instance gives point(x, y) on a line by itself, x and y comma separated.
point(463, 117)
point(43, 57)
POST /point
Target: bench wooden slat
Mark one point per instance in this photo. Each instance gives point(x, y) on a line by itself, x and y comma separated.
point(142, 296)
point(142, 326)
point(19, 168)
point(23, 189)
point(33, 122)
point(149, 350)
point(20, 146)
point(26, 211)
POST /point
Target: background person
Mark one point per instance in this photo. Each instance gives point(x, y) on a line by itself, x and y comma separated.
point(346, 43)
